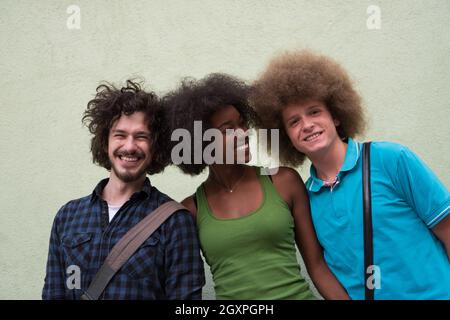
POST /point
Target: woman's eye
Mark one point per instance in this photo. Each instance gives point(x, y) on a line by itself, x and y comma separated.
point(228, 131)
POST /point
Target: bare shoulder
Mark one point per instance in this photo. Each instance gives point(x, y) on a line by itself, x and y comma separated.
point(289, 184)
point(288, 176)
point(189, 203)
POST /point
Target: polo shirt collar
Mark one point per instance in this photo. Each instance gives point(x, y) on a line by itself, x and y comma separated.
point(351, 159)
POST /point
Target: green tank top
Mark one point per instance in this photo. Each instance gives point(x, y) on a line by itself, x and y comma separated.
point(252, 257)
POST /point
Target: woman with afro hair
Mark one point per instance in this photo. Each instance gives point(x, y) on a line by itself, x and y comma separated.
point(248, 222)
point(311, 100)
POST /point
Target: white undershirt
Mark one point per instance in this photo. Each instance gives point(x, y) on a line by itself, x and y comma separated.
point(112, 210)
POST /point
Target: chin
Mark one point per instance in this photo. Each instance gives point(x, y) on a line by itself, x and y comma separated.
point(248, 157)
point(300, 148)
point(129, 176)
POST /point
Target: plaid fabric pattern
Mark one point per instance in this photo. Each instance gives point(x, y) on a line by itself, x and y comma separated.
point(167, 266)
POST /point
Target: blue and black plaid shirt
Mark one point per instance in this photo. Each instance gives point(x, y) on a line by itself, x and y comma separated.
point(167, 266)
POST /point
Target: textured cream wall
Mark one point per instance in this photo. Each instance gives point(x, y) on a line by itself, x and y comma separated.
point(49, 72)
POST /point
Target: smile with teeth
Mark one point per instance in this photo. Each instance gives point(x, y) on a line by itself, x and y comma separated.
point(243, 147)
point(313, 136)
point(129, 158)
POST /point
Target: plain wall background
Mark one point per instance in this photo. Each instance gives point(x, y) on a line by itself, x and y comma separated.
point(49, 73)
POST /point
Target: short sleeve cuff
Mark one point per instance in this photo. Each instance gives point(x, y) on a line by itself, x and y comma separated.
point(441, 213)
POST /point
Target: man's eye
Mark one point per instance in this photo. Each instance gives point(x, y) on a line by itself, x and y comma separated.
point(293, 123)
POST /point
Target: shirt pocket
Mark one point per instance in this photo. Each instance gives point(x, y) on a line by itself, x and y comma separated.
point(142, 264)
point(78, 249)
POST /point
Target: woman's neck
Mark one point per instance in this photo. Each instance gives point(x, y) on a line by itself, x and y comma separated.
point(227, 176)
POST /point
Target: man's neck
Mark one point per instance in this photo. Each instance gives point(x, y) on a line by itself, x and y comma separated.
point(328, 163)
point(117, 192)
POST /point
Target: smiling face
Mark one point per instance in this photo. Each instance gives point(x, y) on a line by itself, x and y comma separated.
point(310, 127)
point(233, 128)
point(129, 147)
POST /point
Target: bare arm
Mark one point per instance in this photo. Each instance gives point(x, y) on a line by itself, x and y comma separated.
point(442, 231)
point(291, 187)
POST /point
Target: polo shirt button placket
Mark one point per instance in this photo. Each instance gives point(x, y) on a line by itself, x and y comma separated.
point(339, 204)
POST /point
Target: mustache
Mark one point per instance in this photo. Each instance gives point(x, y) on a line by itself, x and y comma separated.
point(127, 154)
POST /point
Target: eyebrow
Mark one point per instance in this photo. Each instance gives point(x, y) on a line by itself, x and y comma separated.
point(314, 106)
point(307, 108)
point(138, 133)
point(118, 131)
point(291, 117)
point(229, 122)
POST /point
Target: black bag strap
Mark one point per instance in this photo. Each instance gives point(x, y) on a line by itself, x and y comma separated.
point(367, 221)
point(127, 246)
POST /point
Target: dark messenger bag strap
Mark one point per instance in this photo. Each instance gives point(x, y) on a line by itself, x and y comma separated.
point(367, 208)
point(127, 246)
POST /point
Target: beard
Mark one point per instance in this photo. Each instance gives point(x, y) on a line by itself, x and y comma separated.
point(127, 175)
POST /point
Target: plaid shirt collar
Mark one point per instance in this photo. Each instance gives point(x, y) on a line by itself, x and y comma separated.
point(143, 193)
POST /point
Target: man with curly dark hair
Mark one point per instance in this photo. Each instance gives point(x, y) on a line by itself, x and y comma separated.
point(129, 140)
point(248, 222)
point(311, 100)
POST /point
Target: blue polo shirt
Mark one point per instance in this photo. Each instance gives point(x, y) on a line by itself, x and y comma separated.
point(407, 201)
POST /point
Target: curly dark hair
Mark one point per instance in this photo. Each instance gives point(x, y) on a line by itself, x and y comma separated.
point(198, 100)
point(298, 76)
point(109, 104)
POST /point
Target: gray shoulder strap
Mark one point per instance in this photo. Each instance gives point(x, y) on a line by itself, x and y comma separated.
point(127, 246)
